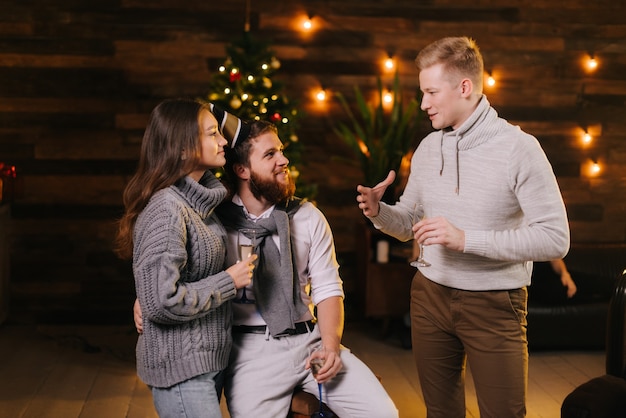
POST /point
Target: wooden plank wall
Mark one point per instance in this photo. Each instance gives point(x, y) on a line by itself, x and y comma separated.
point(78, 79)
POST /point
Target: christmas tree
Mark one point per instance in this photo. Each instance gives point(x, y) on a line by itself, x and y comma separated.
point(243, 86)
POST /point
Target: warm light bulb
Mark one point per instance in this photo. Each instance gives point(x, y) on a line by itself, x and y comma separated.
point(592, 168)
point(388, 97)
point(595, 168)
point(307, 25)
point(321, 95)
point(251, 78)
point(490, 80)
point(389, 64)
point(222, 69)
point(587, 138)
point(592, 64)
point(244, 96)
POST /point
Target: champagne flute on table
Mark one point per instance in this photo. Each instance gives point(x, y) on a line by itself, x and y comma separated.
point(246, 242)
point(419, 213)
point(316, 364)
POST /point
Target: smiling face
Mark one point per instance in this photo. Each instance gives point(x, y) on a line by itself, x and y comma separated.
point(447, 98)
point(211, 142)
point(269, 169)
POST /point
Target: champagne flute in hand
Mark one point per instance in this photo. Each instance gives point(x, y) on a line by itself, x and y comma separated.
point(246, 241)
point(316, 364)
point(420, 262)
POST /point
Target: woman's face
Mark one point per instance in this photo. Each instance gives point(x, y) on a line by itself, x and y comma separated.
point(211, 142)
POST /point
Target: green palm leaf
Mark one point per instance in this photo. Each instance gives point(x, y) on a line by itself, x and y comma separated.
point(377, 137)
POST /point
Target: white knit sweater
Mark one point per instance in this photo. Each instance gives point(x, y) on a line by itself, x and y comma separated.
point(493, 181)
point(183, 290)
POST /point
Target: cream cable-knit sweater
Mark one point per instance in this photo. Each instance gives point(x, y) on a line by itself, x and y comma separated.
point(493, 181)
point(183, 290)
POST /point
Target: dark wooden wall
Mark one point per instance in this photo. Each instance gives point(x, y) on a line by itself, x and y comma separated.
point(78, 79)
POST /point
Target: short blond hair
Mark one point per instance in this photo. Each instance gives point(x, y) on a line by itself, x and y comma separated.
point(460, 56)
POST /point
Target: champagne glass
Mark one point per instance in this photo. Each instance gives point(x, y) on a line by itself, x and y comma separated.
point(246, 242)
point(420, 262)
point(316, 364)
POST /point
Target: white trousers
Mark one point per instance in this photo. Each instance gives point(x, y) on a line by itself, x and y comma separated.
point(264, 371)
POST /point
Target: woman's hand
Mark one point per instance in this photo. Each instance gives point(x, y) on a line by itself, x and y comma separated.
point(242, 271)
point(137, 317)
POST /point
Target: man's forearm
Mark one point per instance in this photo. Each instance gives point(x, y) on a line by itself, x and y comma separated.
point(330, 320)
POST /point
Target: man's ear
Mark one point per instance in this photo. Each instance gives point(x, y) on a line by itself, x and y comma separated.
point(467, 87)
point(241, 171)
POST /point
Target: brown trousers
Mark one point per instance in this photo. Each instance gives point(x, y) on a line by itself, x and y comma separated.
point(488, 329)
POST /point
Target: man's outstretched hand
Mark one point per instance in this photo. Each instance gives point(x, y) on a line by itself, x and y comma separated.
point(369, 197)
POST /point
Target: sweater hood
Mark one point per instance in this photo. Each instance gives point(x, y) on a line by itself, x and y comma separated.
point(204, 195)
point(482, 125)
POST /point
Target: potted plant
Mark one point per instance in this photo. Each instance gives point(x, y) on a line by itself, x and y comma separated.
point(378, 137)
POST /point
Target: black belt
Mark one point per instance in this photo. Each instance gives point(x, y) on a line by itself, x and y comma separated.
point(300, 328)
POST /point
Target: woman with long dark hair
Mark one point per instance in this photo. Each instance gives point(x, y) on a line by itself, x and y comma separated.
point(178, 248)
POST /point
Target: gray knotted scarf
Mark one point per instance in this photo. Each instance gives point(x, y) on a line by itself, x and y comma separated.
point(276, 284)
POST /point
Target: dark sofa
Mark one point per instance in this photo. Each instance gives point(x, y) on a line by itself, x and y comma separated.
point(605, 396)
point(555, 322)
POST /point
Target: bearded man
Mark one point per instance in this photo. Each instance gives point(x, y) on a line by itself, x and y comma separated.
point(275, 330)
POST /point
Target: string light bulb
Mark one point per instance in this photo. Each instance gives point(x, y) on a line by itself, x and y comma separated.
point(490, 80)
point(592, 63)
point(387, 97)
point(321, 94)
point(307, 24)
point(389, 63)
point(592, 167)
point(595, 168)
point(587, 138)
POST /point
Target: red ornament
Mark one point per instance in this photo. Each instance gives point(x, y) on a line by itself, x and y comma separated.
point(8, 176)
point(7, 171)
point(235, 76)
point(275, 117)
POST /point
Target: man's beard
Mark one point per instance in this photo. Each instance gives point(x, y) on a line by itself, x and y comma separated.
point(270, 189)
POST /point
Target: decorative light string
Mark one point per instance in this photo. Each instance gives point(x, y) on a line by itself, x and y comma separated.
point(388, 63)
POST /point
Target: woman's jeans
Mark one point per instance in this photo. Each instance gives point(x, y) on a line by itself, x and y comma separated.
point(198, 397)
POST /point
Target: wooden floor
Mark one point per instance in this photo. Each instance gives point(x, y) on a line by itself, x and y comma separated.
point(88, 372)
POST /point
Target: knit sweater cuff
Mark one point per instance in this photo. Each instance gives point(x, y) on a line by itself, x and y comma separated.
point(226, 286)
point(476, 243)
point(383, 217)
point(392, 223)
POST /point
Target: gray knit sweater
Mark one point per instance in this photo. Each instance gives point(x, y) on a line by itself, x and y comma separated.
point(183, 290)
point(494, 182)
